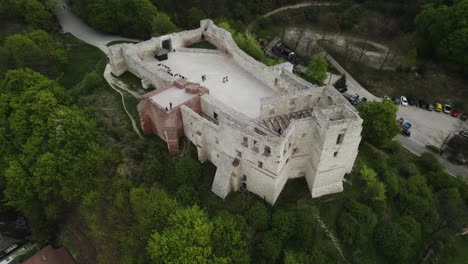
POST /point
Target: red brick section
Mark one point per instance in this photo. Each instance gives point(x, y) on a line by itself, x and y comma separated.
point(50, 255)
point(168, 124)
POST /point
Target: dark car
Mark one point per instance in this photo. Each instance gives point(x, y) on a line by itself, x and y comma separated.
point(396, 100)
point(430, 107)
point(413, 101)
point(423, 104)
point(464, 116)
point(400, 121)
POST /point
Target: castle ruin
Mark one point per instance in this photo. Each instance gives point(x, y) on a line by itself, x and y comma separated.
point(259, 125)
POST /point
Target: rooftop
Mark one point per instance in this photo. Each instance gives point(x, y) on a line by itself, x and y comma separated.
point(174, 95)
point(242, 91)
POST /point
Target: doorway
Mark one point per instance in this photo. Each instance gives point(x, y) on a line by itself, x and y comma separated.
point(166, 44)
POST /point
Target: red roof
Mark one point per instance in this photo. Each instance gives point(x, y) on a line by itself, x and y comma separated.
point(50, 255)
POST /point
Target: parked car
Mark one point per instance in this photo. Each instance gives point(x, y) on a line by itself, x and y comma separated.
point(363, 100)
point(413, 101)
point(386, 97)
point(404, 101)
point(455, 113)
point(430, 107)
point(396, 100)
point(400, 121)
point(464, 116)
point(405, 129)
point(447, 108)
point(438, 107)
point(422, 104)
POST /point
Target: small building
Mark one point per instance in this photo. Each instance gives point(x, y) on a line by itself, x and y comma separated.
point(161, 55)
point(50, 255)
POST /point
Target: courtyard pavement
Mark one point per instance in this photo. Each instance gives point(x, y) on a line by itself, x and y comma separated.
point(242, 91)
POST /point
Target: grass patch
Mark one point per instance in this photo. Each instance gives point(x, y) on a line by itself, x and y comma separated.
point(132, 81)
point(82, 59)
point(202, 45)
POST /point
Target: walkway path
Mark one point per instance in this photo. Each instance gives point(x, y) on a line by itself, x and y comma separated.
point(284, 8)
point(110, 80)
point(73, 24)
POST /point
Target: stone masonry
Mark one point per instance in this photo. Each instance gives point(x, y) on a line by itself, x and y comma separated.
point(300, 130)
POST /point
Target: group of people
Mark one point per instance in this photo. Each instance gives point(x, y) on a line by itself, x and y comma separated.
point(168, 71)
point(170, 106)
point(225, 79)
point(203, 77)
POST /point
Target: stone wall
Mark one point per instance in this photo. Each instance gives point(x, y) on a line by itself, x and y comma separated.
point(294, 101)
point(166, 124)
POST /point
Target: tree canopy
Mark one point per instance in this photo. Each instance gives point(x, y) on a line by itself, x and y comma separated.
point(317, 70)
point(49, 148)
point(379, 121)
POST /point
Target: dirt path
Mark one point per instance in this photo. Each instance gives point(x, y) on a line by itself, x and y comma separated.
point(284, 8)
point(114, 85)
point(74, 25)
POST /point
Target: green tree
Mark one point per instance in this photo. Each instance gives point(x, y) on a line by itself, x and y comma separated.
point(187, 195)
point(258, 216)
point(229, 238)
point(379, 121)
point(295, 257)
point(194, 16)
point(393, 242)
point(317, 70)
point(356, 224)
point(187, 171)
point(284, 223)
point(452, 49)
point(186, 239)
point(162, 25)
point(270, 246)
point(33, 12)
point(49, 149)
point(373, 188)
point(35, 50)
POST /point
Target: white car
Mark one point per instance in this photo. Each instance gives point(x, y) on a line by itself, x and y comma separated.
point(404, 101)
point(447, 108)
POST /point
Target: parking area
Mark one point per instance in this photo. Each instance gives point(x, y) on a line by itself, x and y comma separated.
point(430, 127)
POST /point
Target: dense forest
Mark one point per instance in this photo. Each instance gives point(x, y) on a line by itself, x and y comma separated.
point(71, 164)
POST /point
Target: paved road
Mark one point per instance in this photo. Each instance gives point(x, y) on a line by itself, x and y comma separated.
point(74, 25)
point(353, 86)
